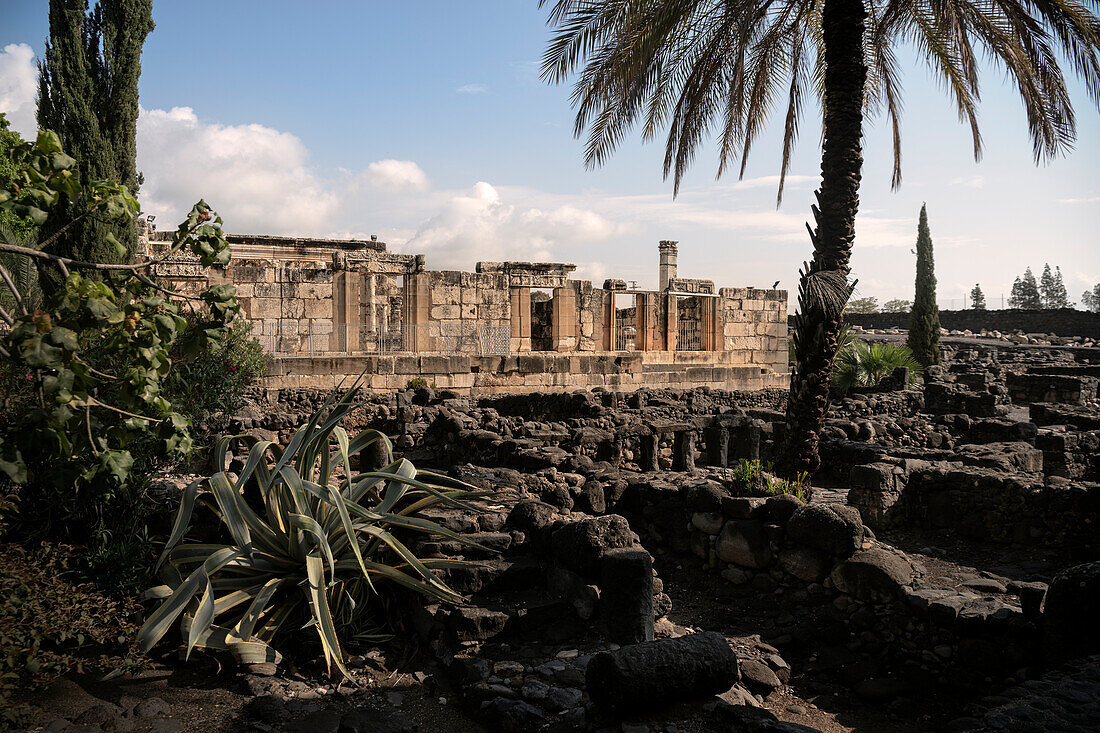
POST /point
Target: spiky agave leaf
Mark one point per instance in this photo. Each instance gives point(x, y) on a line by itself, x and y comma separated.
point(322, 531)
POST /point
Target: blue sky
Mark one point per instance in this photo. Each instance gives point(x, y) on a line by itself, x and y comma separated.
point(426, 123)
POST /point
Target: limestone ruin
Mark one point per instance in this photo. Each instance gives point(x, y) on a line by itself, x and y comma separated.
point(329, 308)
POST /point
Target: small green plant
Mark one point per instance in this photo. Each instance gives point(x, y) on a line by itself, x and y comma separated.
point(319, 546)
point(860, 364)
point(753, 478)
point(419, 383)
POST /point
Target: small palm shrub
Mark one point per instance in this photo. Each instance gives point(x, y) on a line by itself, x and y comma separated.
point(315, 552)
point(859, 364)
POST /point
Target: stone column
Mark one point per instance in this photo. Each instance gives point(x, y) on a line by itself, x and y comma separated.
point(609, 317)
point(565, 319)
point(718, 446)
point(683, 453)
point(649, 445)
point(417, 312)
point(667, 271)
point(672, 322)
point(520, 318)
point(345, 304)
point(645, 315)
point(712, 336)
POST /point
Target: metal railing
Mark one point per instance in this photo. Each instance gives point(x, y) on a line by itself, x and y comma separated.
point(688, 335)
point(625, 335)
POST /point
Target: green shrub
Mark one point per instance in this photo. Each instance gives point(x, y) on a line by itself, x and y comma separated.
point(208, 385)
point(315, 550)
point(752, 478)
point(860, 364)
point(419, 383)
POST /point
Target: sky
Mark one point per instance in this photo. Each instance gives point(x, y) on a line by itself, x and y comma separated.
point(426, 123)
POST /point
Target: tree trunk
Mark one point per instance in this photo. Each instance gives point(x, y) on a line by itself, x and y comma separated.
point(823, 286)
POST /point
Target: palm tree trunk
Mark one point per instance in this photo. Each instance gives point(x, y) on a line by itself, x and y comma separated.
point(823, 288)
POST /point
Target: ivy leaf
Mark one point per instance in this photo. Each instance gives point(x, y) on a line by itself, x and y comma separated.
point(117, 463)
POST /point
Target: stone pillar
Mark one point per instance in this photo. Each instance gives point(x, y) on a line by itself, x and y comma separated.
point(672, 322)
point(345, 304)
point(626, 595)
point(683, 453)
point(565, 319)
point(520, 318)
point(649, 445)
point(645, 316)
point(609, 319)
point(417, 312)
point(667, 270)
point(712, 335)
point(718, 446)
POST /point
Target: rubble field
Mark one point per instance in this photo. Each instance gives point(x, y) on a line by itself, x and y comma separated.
point(642, 570)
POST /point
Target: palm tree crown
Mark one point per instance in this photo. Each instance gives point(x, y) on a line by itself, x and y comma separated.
point(694, 65)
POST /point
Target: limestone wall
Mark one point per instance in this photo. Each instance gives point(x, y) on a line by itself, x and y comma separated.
point(756, 326)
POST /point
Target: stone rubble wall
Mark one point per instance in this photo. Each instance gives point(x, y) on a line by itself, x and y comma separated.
point(1066, 322)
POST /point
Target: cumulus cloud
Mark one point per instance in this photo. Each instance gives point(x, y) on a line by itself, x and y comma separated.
point(256, 176)
point(397, 175)
point(472, 89)
point(18, 82)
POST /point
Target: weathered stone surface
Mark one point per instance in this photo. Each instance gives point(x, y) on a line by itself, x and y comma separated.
point(580, 545)
point(376, 720)
point(874, 573)
point(805, 563)
point(744, 542)
point(645, 676)
point(626, 598)
point(832, 528)
point(1071, 612)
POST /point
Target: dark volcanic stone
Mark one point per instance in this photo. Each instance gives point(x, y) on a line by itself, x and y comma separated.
point(626, 598)
point(873, 573)
point(832, 528)
point(648, 675)
point(580, 545)
point(1071, 612)
point(512, 716)
point(746, 719)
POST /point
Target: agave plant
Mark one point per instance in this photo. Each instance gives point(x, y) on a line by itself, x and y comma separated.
point(859, 364)
point(316, 553)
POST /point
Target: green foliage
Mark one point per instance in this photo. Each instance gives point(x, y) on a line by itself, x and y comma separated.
point(317, 543)
point(18, 228)
point(752, 478)
point(1052, 289)
point(83, 373)
point(896, 306)
point(862, 305)
point(1025, 292)
point(88, 94)
point(419, 383)
point(1091, 299)
point(50, 626)
point(859, 364)
point(977, 298)
point(208, 385)
point(924, 319)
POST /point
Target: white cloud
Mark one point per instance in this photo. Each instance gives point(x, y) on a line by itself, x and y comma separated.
point(255, 176)
point(18, 83)
point(397, 175)
point(791, 182)
point(1086, 200)
point(472, 89)
point(968, 182)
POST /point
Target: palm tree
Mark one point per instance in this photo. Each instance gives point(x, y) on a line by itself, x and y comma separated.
point(694, 65)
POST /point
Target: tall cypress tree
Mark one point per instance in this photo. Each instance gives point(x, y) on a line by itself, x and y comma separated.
point(924, 319)
point(88, 95)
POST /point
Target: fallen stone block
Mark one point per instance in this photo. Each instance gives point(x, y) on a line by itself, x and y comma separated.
point(649, 675)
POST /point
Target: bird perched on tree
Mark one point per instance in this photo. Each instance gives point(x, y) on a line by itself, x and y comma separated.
point(775, 285)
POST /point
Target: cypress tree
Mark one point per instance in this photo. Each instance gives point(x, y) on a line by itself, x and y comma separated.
point(924, 319)
point(977, 298)
point(88, 95)
point(1025, 292)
